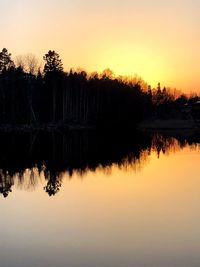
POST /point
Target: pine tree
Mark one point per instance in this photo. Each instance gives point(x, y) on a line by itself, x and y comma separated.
point(53, 62)
point(5, 60)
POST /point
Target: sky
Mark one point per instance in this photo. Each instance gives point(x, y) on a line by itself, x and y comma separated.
point(157, 40)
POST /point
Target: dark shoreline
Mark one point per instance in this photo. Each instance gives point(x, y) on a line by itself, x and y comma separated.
point(173, 125)
point(25, 128)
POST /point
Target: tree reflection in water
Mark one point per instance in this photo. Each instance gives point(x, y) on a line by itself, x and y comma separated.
point(53, 184)
point(49, 159)
point(6, 183)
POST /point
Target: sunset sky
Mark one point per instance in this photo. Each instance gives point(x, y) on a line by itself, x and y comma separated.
point(156, 39)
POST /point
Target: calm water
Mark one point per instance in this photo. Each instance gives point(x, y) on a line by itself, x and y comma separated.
point(138, 207)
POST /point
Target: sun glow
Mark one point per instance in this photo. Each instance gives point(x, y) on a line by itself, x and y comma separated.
point(157, 40)
point(130, 60)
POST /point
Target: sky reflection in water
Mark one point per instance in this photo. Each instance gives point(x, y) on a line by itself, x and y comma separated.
point(142, 212)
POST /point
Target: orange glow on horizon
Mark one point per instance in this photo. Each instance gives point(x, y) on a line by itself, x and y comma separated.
point(156, 40)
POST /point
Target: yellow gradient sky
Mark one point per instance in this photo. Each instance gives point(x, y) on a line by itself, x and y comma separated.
point(158, 40)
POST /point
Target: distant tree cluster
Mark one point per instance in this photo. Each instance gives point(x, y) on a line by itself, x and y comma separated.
point(77, 153)
point(31, 96)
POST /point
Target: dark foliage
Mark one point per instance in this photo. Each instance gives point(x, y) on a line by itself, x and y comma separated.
point(59, 98)
point(68, 98)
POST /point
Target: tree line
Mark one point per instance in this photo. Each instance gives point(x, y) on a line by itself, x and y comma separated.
point(31, 96)
point(77, 154)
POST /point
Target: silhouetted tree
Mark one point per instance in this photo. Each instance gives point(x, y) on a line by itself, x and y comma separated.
point(28, 96)
point(5, 60)
point(53, 62)
point(53, 69)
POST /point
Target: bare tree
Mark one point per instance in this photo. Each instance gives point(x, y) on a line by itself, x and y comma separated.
point(32, 64)
point(20, 62)
point(29, 63)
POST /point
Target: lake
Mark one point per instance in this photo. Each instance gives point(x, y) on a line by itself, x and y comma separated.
point(99, 200)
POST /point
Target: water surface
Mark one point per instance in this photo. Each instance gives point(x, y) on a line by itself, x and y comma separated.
point(141, 210)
